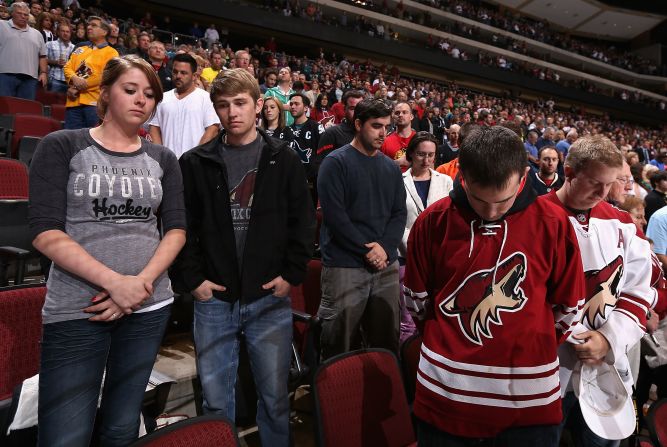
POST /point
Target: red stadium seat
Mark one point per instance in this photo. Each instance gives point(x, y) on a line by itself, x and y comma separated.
point(11, 106)
point(50, 98)
point(13, 180)
point(203, 431)
point(360, 401)
point(58, 112)
point(31, 126)
point(656, 420)
point(305, 300)
point(20, 332)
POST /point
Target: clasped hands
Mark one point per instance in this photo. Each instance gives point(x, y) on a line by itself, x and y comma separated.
point(376, 258)
point(122, 295)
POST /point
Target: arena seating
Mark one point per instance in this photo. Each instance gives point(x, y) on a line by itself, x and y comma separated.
point(203, 431)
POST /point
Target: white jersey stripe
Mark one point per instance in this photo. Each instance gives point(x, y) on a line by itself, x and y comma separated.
point(490, 369)
point(500, 386)
point(539, 402)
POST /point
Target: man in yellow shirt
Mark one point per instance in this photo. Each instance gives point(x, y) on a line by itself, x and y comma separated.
point(83, 74)
point(208, 74)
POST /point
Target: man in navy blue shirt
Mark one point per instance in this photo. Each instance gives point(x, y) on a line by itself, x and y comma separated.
point(363, 204)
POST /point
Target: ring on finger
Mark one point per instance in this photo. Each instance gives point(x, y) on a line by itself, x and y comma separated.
point(114, 316)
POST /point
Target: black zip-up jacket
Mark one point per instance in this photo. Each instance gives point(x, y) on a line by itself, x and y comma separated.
point(281, 232)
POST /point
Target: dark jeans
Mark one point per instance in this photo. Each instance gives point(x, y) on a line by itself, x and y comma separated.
point(18, 85)
point(57, 86)
point(74, 356)
point(532, 436)
point(582, 435)
point(647, 377)
point(266, 325)
point(356, 301)
point(80, 117)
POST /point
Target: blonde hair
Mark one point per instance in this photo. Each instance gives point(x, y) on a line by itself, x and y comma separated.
point(235, 81)
point(118, 66)
point(593, 149)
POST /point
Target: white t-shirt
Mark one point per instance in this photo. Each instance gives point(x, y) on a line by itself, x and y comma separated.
point(182, 122)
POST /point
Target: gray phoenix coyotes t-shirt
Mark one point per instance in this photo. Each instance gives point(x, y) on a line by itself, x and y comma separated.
point(241, 163)
point(107, 202)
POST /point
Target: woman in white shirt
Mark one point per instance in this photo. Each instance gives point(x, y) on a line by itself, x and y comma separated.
point(423, 186)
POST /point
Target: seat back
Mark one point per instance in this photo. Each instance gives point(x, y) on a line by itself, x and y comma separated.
point(58, 112)
point(31, 126)
point(306, 298)
point(20, 332)
point(656, 421)
point(410, 353)
point(203, 431)
point(10, 105)
point(50, 98)
point(360, 401)
point(14, 229)
point(13, 179)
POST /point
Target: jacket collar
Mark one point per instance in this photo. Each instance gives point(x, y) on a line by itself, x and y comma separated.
point(526, 197)
point(210, 150)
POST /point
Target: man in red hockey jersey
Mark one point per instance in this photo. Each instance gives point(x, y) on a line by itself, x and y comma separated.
point(491, 271)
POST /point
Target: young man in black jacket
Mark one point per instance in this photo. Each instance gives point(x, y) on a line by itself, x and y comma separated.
point(240, 265)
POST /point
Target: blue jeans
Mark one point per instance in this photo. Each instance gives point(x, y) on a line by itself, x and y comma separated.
point(582, 435)
point(80, 117)
point(266, 325)
point(57, 86)
point(18, 85)
point(531, 436)
point(74, 355)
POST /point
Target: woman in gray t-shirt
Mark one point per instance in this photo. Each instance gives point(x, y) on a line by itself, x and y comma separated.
point(96, 196)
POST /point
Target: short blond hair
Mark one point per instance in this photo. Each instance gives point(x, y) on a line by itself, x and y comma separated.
point(593, 149)
point(235, 81)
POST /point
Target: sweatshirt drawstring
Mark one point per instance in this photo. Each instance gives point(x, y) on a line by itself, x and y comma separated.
point(489, 230)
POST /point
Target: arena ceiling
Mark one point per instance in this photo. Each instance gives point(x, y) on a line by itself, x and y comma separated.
point(588, 17)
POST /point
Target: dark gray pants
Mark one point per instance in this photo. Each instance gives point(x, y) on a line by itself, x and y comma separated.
point(356, 301)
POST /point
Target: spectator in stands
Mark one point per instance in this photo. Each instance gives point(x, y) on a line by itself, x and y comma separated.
point(211, 35)
point(242, 59)
point(106, 246)
point(339, 135)
point(360, 246)
point(57, 54)
point(564, 144)
point(157, 55)
point(22, 55)
point(80, 34)
point(143, 41)
point(305, 136)
point(423, 187)
point(186, 117)
point(660, 161)
point(270, 80)
point(396, 143)
point(450, 149)
point(46, 26)
point(645, 152)
point(472, 262)
point(547, 138)
point(321, 113)
point(35, 10)
point(531, 147)
point(657, 197)
point(282, 91)
point(636, 209)
point(623, 186)
point(620, 262)
point(546, 178)
point(241, 278)
point(114, 41)
point(208, 74)
point(83, 73)
point(273, 119)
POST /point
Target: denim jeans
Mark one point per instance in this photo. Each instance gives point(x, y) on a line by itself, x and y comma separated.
point(18, 85)
point(74, 355)
point(582, 435)
point(531, 436)
point(57, 86)
point(266, 326)
point(80, 117)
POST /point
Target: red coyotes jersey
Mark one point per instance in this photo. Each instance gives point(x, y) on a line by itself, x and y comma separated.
point(491, 295)
point(618, 265)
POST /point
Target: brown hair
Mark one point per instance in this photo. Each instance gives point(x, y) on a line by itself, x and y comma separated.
point(593, 149)
point(281, 114)
point(118, 66)
point(235, 81)
point(630, 203)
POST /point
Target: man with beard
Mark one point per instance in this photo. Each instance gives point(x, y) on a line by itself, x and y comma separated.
point(363, 205)
point(185, 118)
point(208, 74)
point(546, 178)
point(617, 264)
point(396, 143)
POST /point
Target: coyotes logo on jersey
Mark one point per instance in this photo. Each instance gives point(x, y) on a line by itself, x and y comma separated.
point(602, 288)
point(478, 301)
